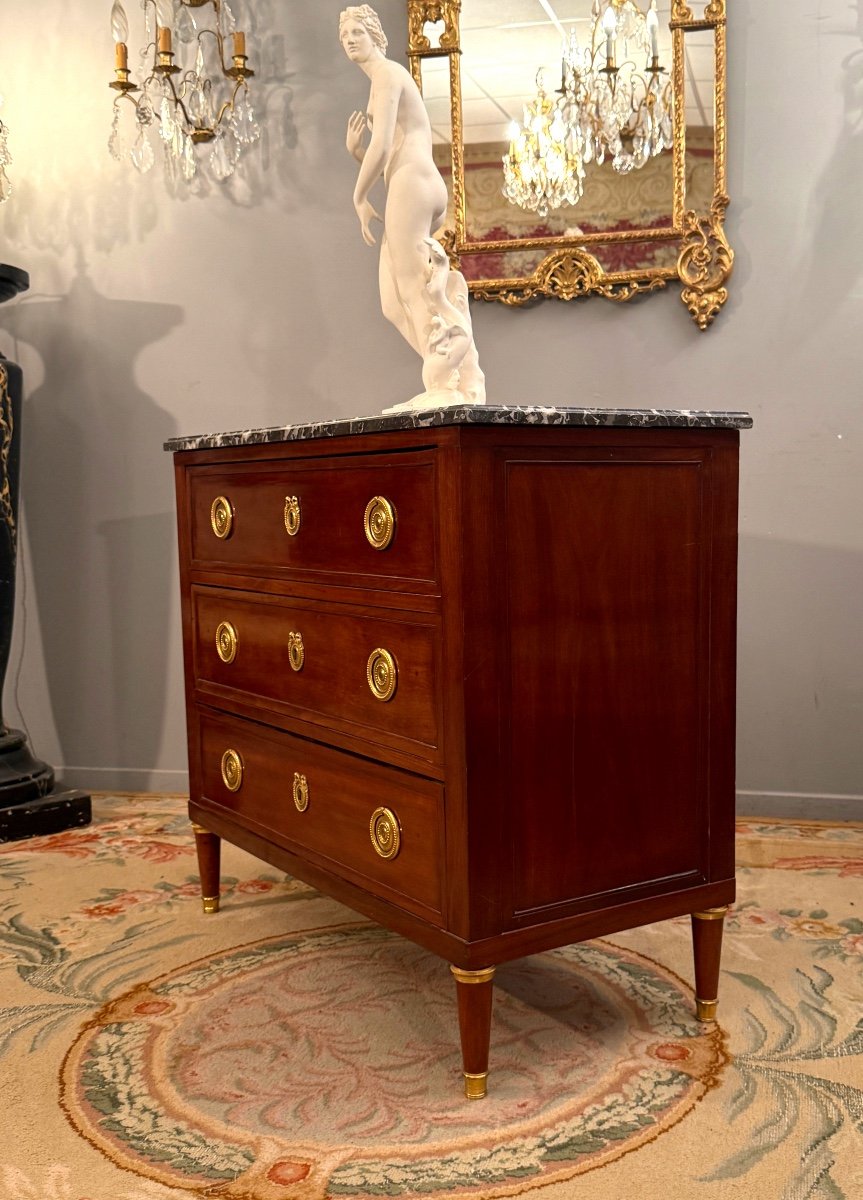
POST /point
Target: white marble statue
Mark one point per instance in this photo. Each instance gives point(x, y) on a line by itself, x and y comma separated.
point(425, 300)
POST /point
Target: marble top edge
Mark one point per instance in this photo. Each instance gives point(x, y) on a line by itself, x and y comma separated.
point(485, 414)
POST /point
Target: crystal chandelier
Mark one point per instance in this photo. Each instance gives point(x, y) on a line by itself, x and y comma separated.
point(544, 167)
point(621, 113)
point(5, 159)
point(179, 104)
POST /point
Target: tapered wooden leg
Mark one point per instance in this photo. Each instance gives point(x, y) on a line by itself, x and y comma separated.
point(707, 948)
point(208, 846)
point(474, 990)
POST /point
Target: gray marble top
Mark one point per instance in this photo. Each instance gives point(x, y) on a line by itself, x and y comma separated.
point(479, 414)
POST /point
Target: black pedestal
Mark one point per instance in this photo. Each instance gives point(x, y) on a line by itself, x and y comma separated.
point(30, 802)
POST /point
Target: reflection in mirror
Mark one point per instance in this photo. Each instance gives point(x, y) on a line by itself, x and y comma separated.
point(435, 87)
point(567, 128)
point(586, 146)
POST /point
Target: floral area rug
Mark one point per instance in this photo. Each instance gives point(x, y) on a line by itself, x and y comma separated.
point(286, 1049)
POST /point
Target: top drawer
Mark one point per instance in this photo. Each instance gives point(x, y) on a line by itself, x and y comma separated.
point(370, 517)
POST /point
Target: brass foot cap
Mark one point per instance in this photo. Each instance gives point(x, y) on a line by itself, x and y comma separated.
point(705, 1010)
point(475, 1086)
point(210, 903)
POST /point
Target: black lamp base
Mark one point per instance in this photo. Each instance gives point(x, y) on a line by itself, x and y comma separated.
point(31, 804)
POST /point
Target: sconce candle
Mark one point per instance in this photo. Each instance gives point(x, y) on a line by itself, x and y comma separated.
point(239, 44)
point(609, 25)
point(652, 21)
point(165, 46)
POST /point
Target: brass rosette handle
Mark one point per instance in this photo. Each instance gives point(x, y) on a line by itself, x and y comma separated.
point(232, 770)
point(385, 832)
point(301, 792)
point(226, 642)
point(222, 517)
point(382, 674)
point(296, 650)
point(293, 515)
point(379, 522)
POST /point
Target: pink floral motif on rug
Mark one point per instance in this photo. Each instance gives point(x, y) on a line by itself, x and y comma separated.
point(326, 1063)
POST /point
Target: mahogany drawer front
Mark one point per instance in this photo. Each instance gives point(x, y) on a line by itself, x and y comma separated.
point(310, 518)
point(314, 665)
point(310, 798)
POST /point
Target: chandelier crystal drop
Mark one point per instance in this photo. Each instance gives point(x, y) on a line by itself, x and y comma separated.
point(181, 104)
point(544, 166)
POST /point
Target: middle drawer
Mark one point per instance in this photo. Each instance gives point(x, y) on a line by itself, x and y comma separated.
point(369, 676)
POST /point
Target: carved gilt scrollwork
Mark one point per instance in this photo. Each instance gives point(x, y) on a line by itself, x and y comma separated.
point(567, 275)
point(681, 13)
point(448, 240)
point(421, 12)
point(705, 263)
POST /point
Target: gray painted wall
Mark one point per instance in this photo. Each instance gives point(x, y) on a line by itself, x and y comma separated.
point(154, 314)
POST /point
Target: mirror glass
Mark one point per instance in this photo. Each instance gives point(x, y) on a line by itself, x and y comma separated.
point(583, 143)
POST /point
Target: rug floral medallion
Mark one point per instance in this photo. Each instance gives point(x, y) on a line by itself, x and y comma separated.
point(328, 1064)
point(284, 1049)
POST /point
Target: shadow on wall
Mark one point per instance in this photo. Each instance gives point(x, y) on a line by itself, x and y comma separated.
point(836, 215)
point(800, 673)
point(92, 445)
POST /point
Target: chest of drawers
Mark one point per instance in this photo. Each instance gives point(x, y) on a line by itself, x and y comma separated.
point(475, 680)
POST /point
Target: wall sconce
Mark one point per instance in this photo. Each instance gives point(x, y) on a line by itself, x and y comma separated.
point(5, 159)
point(181, 103)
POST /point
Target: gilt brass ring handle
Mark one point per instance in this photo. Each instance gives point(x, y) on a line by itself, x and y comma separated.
point(232, 770)
point(385, 832)
point(382, 674)
point(292, 515)
point(379, 522)
point(226, 642)
point(301, 792)
point(222, 517)
point(296, 650)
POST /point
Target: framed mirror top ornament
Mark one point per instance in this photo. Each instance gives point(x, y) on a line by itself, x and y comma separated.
point(583, 143)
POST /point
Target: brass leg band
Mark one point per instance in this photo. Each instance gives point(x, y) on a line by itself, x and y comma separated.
point(475, 1086)
point(711, 914)
point(705, 1010)
point(210, 903)
point(483, 976)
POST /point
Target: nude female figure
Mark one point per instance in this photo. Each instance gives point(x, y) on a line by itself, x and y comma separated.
point(425, 301)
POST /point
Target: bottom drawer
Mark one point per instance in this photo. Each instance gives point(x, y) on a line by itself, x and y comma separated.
point(378, 827)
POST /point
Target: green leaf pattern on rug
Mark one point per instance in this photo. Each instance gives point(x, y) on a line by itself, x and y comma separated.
point(802, 1103)
point(110, 1078)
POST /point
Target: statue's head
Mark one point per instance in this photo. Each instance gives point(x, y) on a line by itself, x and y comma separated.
point(358, 22)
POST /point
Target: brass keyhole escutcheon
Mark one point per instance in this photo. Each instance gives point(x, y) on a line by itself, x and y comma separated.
point(379, 522)
point(292, 515)
point(385, 832)
point(226, 642)
point(232, 770)
point(301, 792)
point(296, 650)
point(382, 674)
point(222, 517)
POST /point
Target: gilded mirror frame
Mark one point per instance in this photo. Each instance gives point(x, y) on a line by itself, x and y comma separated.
point(569, 270)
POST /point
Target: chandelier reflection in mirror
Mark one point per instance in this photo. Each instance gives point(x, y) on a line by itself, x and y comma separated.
point(177, 102)
point(5, 160)
point(606, 108)
point(544, 167)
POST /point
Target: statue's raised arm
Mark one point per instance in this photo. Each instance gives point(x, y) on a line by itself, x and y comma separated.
point(424, 299)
